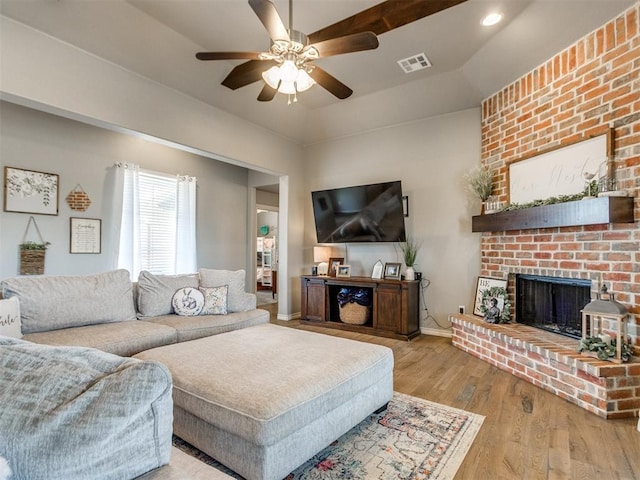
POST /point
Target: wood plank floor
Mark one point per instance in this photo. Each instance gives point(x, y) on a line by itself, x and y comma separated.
point(528, 433)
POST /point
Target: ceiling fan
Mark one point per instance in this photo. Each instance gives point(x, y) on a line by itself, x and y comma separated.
point(288, 67)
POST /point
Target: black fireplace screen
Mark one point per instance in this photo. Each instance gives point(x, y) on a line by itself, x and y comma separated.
point(552, 303)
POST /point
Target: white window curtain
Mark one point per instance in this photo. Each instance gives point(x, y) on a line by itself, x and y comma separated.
point(157, 221)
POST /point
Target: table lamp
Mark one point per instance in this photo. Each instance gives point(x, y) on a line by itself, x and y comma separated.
point(321, 259)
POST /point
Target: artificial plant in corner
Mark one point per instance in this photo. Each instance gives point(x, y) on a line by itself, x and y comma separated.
point(410, 249)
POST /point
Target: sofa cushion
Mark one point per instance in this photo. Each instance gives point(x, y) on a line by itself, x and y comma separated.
point(191, 328)
point(238, 300)
point(10, 318)
point(188, 301)
point(54, 302)
point(156, 291)
point(215, 300)
point(81, 414)
point(122, 338)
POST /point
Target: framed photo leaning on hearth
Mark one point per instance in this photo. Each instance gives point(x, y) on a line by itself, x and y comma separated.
point(492, 301)
point(392, 271)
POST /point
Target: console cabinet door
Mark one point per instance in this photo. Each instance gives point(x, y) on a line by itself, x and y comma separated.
point(313, 299)
point(388, 305)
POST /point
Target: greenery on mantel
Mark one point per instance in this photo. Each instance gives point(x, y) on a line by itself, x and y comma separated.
point(480, 182)
point(592, 191)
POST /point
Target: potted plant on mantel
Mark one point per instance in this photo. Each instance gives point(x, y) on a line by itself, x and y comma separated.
point(410, 251)
point(481, 183)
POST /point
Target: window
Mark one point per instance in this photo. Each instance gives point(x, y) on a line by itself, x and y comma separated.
point(158, 222)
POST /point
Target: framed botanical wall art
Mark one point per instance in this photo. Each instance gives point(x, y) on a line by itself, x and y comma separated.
point(29, 191)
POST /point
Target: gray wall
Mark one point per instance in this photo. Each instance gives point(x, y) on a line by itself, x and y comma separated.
point(83, 154)
point(430, 157)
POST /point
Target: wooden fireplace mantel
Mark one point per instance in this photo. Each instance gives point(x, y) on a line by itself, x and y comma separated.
point(593, 211)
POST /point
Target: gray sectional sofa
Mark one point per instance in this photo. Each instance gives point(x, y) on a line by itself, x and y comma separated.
point(260, 398)
point(108, 312)
point(78, 413)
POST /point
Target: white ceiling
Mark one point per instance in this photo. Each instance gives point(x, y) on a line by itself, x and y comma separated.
point(159, 38)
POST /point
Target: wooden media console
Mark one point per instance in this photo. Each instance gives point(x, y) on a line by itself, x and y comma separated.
point(394, 313)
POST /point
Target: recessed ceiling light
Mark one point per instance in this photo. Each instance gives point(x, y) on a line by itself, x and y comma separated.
point(491, 19)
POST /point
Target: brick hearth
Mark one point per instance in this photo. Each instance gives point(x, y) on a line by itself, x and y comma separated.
point(550, 361)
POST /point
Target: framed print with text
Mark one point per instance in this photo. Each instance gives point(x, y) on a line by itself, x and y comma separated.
point(85, 235)
point(485, 284)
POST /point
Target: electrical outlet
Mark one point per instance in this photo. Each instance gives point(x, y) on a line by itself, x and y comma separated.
point(461, 309)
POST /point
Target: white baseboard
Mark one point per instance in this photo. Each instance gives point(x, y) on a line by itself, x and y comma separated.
point(293, 316)
point(436, 332)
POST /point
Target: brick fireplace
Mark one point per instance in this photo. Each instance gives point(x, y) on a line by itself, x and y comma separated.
point(581, 92)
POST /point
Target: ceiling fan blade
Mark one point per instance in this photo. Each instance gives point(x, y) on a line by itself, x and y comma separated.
point(330, 83)
point(227, 55)
point(383, 17)
point(246, 73)
point(356, 42)
point(268, 15)
point(267, 93)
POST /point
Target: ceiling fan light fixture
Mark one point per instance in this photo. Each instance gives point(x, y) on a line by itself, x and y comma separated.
point(304, 81)
point(288, 71)
point(287, 87)
point(272, 77)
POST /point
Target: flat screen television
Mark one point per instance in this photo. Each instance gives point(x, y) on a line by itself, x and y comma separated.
point(365, 213)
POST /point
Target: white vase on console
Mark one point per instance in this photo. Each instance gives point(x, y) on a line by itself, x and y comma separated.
point(410, 273)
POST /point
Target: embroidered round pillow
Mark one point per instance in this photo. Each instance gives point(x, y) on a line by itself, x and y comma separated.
point(187, 301)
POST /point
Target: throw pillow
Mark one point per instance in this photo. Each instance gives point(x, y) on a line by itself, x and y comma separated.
point(156, 291)
point(235, 281)
point(10, 318)
point(188, 301)
point(215, 300)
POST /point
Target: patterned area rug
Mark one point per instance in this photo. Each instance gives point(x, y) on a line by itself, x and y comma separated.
point(413, 439)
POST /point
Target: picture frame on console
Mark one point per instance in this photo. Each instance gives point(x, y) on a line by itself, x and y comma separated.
point(392, 271)
point(343, 271)
point(334, 263)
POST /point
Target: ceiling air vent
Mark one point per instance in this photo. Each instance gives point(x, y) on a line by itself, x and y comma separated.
point(414, 63)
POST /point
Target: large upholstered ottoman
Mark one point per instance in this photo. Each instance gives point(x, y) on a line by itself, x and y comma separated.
point(264, 399)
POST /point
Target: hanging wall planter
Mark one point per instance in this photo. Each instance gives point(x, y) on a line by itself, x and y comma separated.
point(32, 254)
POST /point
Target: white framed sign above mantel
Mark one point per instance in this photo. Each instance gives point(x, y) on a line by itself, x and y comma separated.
point(560, 170)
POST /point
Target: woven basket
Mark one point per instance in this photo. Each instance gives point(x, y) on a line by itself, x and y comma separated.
point(32, 262)
point(354, 314)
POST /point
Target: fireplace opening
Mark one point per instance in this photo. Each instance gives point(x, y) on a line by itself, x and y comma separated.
point(552, 303)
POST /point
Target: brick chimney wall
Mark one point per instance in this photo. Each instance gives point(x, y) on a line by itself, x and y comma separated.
point(582, 91)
